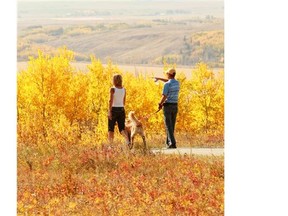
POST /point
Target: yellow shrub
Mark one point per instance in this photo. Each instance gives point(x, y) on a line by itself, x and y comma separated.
point(56, 103)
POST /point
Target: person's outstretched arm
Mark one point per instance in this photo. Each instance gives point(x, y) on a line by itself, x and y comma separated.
point(159, 78)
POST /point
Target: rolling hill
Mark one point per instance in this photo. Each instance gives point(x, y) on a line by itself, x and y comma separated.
point(139, 34)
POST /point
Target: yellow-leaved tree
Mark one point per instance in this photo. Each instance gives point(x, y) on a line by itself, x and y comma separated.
point(42, 93)
point(207, 92)
point(58, 105)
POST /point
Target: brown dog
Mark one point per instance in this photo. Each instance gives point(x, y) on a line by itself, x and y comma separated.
point(134, 126)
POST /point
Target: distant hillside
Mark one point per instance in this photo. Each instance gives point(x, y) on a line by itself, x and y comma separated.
point(135, 35)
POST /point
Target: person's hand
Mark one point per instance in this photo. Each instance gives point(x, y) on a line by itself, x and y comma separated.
point(110, 115)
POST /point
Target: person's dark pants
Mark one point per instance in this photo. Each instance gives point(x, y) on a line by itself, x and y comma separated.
point(170, 114)
point(118, 115)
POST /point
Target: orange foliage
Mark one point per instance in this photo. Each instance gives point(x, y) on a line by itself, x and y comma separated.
point(103, 181)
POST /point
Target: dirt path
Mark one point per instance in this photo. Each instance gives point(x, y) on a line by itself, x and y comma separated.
point(191, 151)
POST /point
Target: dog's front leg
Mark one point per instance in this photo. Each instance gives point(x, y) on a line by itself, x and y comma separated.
point(129, 135)
point(132, 139)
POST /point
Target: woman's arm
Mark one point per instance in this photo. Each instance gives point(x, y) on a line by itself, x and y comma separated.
point(112, 90)
point(124, 99)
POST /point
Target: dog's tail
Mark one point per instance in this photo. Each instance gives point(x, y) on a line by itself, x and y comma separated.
point(133, 119)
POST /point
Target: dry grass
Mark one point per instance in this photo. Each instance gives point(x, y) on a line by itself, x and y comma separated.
point(113, 181)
